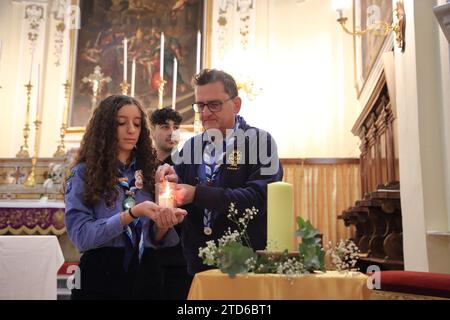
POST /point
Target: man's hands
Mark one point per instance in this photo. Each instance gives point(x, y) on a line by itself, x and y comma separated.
point(166, 172)
point(184, 193)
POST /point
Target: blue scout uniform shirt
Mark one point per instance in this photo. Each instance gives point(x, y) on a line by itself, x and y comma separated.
point(242, 183)
point(99, 226)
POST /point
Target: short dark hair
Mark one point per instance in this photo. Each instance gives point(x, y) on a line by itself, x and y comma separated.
point(207, 76)
point(161, 116)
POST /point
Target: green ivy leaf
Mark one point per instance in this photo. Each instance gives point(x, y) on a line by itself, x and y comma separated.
point(311, 254)
point(233, 258)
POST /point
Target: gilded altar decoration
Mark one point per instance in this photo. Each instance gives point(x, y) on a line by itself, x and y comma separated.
point(222, 26)
point(245, 9)
point(34, 14)
point(59, 14)
point(97, 80)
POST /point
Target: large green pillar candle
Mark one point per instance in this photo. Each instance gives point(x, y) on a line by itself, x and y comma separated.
point(280, 217)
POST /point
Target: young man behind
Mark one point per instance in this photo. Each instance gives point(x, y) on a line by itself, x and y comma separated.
point(176, 281)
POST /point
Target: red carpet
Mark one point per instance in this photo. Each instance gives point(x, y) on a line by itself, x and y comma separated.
point(419, 283)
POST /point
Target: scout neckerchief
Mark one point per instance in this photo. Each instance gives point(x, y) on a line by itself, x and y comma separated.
point(134, 236)
point(212, 168)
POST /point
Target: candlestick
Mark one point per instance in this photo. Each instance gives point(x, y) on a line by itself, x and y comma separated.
point(199, 47)
point(340, 6)
point(161, 58)
point(61, 149)
point(161, 84)
point(133, 77)
point(125, 60)
point(30, 182)
point(174, 84)
point(124, 86)
point(23, 152)
point(280, 217)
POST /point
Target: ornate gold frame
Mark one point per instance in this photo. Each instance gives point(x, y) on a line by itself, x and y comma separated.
point(207, 31)
point(361, 87)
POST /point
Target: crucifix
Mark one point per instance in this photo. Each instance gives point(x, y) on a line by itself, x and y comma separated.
point(97, 80)
point(16, 175)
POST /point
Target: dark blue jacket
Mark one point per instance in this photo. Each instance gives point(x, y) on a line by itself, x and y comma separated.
point(243, 183)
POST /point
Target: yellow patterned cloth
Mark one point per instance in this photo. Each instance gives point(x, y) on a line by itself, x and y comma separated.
point(332, 285)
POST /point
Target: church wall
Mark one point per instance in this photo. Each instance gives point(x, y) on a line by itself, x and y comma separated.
point(301, 60)
point(423, 150)
point(10, 71)
point(15, 73)
point(303, 63)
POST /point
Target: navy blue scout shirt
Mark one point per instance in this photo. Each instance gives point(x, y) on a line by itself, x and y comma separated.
point(244, 184)
point(99, 226)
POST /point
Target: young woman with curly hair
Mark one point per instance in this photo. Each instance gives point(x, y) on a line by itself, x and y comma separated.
point(110, 214)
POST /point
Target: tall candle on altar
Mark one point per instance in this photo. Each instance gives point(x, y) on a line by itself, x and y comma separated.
point(280, 217)
point(125, 59)
point(38, 89)
point(199, 48)
point(174, 84)
point(161, 58)
point(31, 67)
point(133, 77)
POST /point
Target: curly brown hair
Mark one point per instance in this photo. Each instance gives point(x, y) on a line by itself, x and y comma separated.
point(99, 150)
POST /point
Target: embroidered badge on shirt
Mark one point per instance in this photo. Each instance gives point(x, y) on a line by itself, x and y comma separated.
point(69, 181)
point(233, 160)
point(139, 176)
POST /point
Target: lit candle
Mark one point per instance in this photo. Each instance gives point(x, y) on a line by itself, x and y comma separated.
point(133, 77)
point(165, 195)
point(31, 68)
point(125, 59)
point(161, 58)
point(280, 217)
point(199, 48)
point(174, 84)
point(38, 87)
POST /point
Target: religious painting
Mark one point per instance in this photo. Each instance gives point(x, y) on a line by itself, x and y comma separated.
point(101, 51)
point(369, 47)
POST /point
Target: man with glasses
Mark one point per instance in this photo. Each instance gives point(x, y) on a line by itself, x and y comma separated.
point(231, 162)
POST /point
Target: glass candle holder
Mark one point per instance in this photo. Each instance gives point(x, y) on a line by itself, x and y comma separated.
point(165, 194)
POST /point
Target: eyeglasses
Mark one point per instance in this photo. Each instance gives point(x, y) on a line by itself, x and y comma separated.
point(213, 106)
